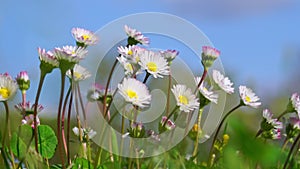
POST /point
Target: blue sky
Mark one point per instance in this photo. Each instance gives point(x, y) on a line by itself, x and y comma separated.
point(259, 40)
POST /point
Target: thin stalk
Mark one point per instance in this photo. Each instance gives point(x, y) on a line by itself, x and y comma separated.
point(3, 152)
point(195, 152)
point(36, 103)
point(60, 147)
point(122, 139)
point(218, 130)
point(107, 85)
point(82, 106)
point(69, 125)
point(286, 141)
point(63, 119)
point(146, 77)
point(201, 80)
point(7, 129)
point(169, 92)
point(258, 133)
point(282, 114)
point(291, 151)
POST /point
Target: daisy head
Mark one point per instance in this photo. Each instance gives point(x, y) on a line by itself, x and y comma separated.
point(68, 56)
point(248, 97)
point(128, 67)
point(79, 73)
point(84, 37)
point(209, 55)
point(185, 98)
point(269, 123)
point(48, 59)
point(135, 37)
point(27, 109)
point(223, 82)
point(169, 55)
point(23, 81)
point(137, 130)
point(8, 87)
point(208, 94)
point(154, 64)
point(135, 92)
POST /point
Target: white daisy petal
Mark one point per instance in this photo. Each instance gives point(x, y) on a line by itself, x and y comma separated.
point(223, 82)
point(8, 87)
point(248, 97)
point(154, 64)
point(135, 92)
point(84, 36)
point(208, 94)
point(185, 98)
point(80, 73)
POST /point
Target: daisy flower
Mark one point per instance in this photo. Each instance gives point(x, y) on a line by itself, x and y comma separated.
point(169, 55)
point(269, 122)
point(135, 92)
point(223, 82)
point(248, 97)
point(209, 55)
point(87, 133)
point(84, 37)
point(208, 94)
point(27, 109)
point(185, 98)
point(154, 64)
point(80, 73)
point(135, 37)
point(169, 124)
point(23, 81)
point(48, 58)
point(8, 87)
point(131, 53)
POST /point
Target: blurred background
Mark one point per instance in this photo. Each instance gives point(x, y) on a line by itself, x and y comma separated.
point(259, 39)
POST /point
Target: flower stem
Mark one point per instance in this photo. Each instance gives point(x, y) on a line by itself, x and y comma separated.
point(201, 80)
point(60, 147)
point(36, 103)
point(282, 114)
point(69, 125)
point(107, 85)
point(174, 110)
point(258, 133)
point(63, 119)
point(291, 151)
point(218, 130)
point(7, 132)
point(169, 92)
point(146, 77)
point(195, 152)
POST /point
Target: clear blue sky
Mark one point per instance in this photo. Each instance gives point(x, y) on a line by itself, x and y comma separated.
point(257, 39)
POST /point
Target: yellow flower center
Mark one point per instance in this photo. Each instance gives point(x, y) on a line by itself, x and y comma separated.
point(85, 37)
point(195, 128)
point(129, 52)
point(73, 52)
point(4, 92)
point(225, 138)
point(248, 99)
point(132, 94)
point(77, 75)
point(152, 66)
point(183, 100)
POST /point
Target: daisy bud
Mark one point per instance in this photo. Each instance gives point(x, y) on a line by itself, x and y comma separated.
point(137, 130)
point(209, 55)
point(166, 124)
point(23, 81)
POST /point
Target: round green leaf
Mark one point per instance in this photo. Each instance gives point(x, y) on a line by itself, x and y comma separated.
point(47, 141)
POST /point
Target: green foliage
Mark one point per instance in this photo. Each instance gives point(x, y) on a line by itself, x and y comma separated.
point(20, 141)
point(47, 141)
point(81, 163)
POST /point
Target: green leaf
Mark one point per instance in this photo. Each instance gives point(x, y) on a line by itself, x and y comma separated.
point(20, 140)
point(47, 141)
point(114, 165)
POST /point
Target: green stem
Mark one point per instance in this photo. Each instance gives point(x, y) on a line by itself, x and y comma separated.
point(60, 147)
point(217, 132)
point(36, 103)
point(169, 93)
point(195, 152)
point(282, 114)
point(291, 151)
point(146, 77)
point(170, 115)
point(69, 126)
point(6, 128)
